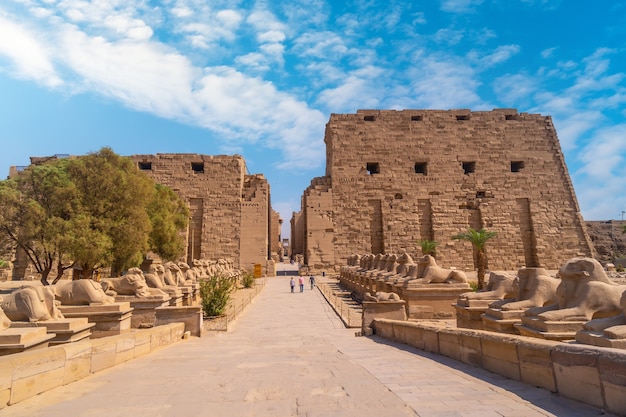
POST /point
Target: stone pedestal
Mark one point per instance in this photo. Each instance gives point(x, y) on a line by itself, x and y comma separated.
point(550, 330)
point(191, 316)
point(109, 319)
point(468, 313)
point(175, 294)
point(144, 314)
point(16, 339)
point(432, 301)
point(195, 294)
point(502, 321)
point(187, 295)
point(392, 310)
point(64, 330)
point(589, 337)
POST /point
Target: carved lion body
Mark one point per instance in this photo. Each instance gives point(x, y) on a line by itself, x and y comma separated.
point(585, 292)
point(133, 283)
point(81, 292)
point(30, 304)
point(429, 272)
point(499, 287)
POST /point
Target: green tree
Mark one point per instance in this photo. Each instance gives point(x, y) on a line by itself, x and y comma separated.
point(478, 239)
point(93, 211)
point(113, 195)
point(429, 247)
point(37, 214)
point(168, 215)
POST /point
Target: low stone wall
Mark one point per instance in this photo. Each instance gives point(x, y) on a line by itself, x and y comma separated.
point(592, 375)
point(27, 374)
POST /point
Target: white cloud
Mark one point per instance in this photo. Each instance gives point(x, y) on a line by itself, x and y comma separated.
point(515, 89)
point(459, 6)
point(419, 19)
point(444, 83)
point(359, 89)
point(30, 58)
point(327, 45)
point(272, 36)
point(600, 181)
point(548, 53)
point(448, 36)
point(134, 29)
point(500, 55)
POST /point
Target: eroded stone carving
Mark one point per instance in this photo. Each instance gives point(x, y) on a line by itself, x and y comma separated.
point(585, 292)
point(614, 327)
point(5, 322)
point(30, 304)
point(133, 283)
point(381, 296)
point(429, 272)
point(81, 292)
point(499, 287)
point(533, 287)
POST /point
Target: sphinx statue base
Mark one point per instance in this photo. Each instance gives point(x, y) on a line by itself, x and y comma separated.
point(109, 319)
point(550, 330)
point(502, 321)
point(16, 340)
point(432, 301)
point(65, 330)
point(469, 313)
point(144, 308)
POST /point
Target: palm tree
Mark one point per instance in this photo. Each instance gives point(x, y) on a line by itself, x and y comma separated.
point(478, 239)
point(429, 247)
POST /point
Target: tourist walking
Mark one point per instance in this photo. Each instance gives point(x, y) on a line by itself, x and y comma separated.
point(292, 283)
point(301, 281)
point(312, 281)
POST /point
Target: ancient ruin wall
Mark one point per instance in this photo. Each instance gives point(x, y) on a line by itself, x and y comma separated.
point(227, 213)
point(402, 176)
point(276, 244)
point(318, 224)
point(255, 211)
point(296, 240)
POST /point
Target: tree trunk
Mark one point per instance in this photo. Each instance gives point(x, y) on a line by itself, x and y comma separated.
point(44, 276)
point(480, 258)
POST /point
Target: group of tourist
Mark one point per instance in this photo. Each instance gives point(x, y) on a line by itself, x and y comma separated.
point(292, 283)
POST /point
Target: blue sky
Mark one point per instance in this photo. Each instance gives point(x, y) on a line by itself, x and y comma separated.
point(261, 78)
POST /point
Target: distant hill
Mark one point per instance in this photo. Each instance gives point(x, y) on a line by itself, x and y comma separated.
point(608, 239)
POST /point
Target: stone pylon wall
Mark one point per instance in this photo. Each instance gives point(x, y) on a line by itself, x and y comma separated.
point(396, 177)
point(229, 209)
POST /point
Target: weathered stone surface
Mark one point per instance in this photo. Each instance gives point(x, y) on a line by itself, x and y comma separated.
point(500, 355)
point(230, 210)
point(396, 177)
point(535, 362)
point(577, 374)
point(612, 366)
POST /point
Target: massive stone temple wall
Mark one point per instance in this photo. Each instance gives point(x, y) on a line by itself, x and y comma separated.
point(230, 211)
point(396, 177)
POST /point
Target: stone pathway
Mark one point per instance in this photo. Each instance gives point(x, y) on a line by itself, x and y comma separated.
point(289, 355)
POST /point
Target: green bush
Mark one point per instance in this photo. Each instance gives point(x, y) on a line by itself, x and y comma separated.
point(248, 280)
point(214, 293)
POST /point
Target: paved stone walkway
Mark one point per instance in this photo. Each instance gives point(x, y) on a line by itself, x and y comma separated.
point(289, 355)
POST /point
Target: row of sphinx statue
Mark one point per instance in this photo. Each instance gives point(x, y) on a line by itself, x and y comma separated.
point(402, 269)
point(581, 291)
point(36, 303)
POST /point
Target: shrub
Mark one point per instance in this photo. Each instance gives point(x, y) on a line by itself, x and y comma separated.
point(215, 292)
point(248, 280)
